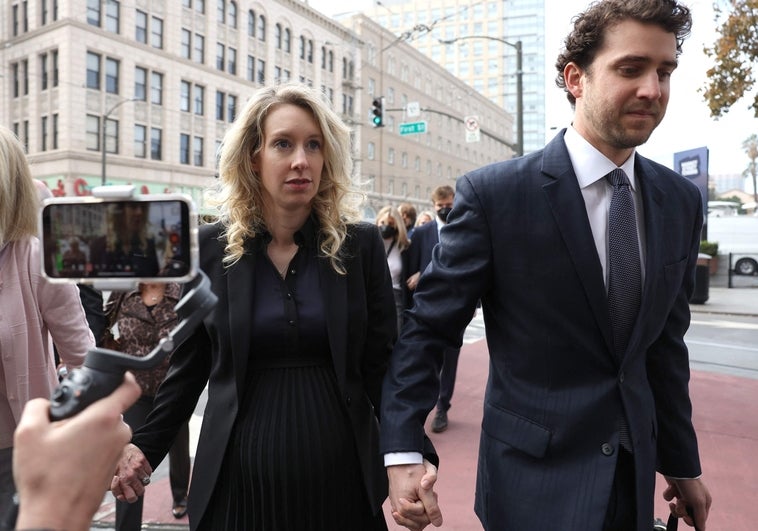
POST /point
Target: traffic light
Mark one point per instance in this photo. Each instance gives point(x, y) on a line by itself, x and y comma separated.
point(377, 112)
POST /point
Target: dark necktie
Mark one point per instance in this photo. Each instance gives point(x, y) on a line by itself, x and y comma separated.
point(624, 273)
point(624, 270)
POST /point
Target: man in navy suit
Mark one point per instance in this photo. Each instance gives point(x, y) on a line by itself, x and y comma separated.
point(423, 241)
point(574, 428)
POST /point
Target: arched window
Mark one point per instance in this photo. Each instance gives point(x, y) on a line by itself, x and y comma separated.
point(278, 36)
point(287, 40)
point(251, 23)
point(231, 17)
point(261, 28)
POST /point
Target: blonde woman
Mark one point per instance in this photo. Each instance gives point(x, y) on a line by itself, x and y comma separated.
point(295, 351)
point(392, 228)
point(34, 311)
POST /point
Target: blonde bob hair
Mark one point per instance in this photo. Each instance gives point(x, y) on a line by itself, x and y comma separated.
point(239, 197)
point(19, 201)
point(402, 235)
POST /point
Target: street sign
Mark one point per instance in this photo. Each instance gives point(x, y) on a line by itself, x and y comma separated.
point(471, 123)
point(412, 128)
point(412, 109)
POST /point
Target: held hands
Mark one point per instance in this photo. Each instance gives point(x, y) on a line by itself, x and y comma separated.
point(693, 501)
point(132, 475)
point(62, 468)
point(412, 497)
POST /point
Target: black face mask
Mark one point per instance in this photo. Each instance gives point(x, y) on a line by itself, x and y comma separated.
point(387, 231)
point(443, 212)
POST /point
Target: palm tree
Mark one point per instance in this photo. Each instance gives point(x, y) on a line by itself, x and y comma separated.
point(750, 145)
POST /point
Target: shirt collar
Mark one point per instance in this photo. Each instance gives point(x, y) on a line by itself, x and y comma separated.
point(589, 164)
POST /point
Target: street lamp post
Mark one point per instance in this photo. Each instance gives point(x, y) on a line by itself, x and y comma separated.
point(519, 83)
point(104, 120)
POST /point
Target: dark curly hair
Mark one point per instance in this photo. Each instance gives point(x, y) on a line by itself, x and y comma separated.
point(585, 40)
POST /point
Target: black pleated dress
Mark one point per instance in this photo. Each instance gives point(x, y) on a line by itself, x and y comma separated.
point(291, 463)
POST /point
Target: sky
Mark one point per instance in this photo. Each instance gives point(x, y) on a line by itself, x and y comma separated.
point(687, 124)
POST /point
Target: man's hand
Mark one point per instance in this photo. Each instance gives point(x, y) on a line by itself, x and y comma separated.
point(62, 468)
point(132, 475)
point(693, 501)
point(412, 496)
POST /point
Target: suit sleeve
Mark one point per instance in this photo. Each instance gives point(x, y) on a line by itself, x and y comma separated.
point(669, 374)
point(444, 302)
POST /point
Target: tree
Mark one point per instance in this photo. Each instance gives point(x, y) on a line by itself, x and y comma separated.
point(735, 54)
point(750, 145)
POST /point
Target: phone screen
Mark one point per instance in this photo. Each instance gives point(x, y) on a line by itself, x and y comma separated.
point(146, 238)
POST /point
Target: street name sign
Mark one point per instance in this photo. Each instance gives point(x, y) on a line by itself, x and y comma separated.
point(412, 128)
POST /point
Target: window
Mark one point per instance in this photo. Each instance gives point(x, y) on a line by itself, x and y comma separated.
point(93, 71)
point(199, 96)
point(302, 47)
point(231, 61)
point(156, 143)
point(55, 128)
point(404, 160)
point(43, 71)
point(16, 80)
point(309, 52)
point(221, 11)
point(140, 83)
point(197, 151)
point(287, 40)
point(184, 96)
point(43, 133)
point(93, 12)
point(186, 43)
point(261, 72)
point(220, 56)
point(156, 33)
point(140, 141)
point(251, 23)
point(250, 68)
point(231, 16)
point(261, 28)
point(331, 61)
point(111, 135)
point(391, 156)
point(370, 151)
point(156, 88)
point(54, 55)
point(199, 55)
point(200, 6)
point(93, 133)
point(111, 75)
point(231, 108)
point(25, 74)
point(184, 148)
point(220, 96)
point(140, 31)
point(278, 36)
point(112, 9)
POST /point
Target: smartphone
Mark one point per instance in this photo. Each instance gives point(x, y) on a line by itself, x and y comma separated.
point(143, 238)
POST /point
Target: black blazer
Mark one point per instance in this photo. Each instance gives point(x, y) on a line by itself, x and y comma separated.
point(519, 238)
point(362, 328)
point(419, 253)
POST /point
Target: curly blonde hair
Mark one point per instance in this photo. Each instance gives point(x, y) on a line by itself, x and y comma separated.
point(239, 197)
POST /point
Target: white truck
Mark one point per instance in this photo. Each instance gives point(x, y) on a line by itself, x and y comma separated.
point(737, 235)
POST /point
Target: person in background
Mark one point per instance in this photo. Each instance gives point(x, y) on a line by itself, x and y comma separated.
point(425, 238)
point(34, 311)
point(62, 468)
point(408, 212)
point(583, 255)
point(392, 229)
point(295, 351)
point(423, 218)
point(138, 320)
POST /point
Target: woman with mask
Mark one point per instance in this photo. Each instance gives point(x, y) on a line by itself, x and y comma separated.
point(392, 229)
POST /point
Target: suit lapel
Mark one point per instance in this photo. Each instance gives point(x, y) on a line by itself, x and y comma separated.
point(566, 201)
point(333, 289)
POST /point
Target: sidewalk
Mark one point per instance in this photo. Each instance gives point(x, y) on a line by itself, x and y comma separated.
point(728, 441)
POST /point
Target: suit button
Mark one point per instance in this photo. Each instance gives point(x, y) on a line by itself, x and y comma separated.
point(607, 449)
point(347, 400)
point(621, 377)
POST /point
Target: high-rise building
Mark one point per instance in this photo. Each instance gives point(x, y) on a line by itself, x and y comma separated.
point(481, 37)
